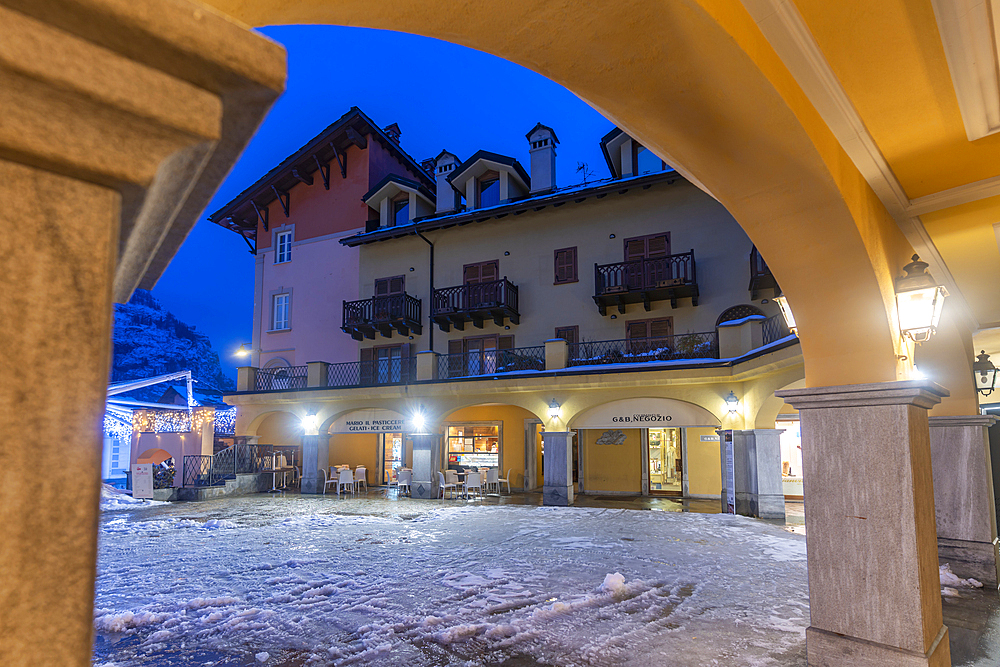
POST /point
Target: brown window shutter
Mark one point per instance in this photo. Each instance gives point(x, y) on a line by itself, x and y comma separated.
point(488, 271)
point(635, 249)
point(565, 261)
point(506, 343)
point(471, 274)
point(568, 334)
point(661, 328)
point(404, 354)
point(455, 346)
point(366, 372)
point(397, 285)
point(657, 246)
point(382, 287)
point(636, 329)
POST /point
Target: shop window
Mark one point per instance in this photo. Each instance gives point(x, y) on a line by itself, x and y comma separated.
point(645, 336)
point(473, 445)
point(283, 249)
point(489, 189)
point(665, 460)
point(565, 260)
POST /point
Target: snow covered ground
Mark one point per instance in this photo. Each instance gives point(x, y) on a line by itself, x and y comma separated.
point(316, 581)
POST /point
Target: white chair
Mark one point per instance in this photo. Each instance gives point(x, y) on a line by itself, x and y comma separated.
point(473, 480)
point(492, 480)
point(451, 476)
point(504, 480)
point(403, 480)
point(328, 480)
point(345, 481)
point(361, 477)
point(445, 486)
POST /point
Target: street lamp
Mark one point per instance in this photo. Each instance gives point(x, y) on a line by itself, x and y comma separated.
point(244, 351)
point(554, 409)
point(985, 373)
point(919, 301)
point(786, 312)
point(732, 403)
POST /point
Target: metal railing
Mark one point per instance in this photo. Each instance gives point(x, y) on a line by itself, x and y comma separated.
point(477, 296)
point(198, 470)
point(490, 362)
point(382, 310)
point(372, 373)
point(775, 329)
point(636, 350)
point(286, 377)
point(645, 274)
point(201, 470)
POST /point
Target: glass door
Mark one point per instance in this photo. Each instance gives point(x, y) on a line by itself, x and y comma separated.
point(392, 456)
point(665, 461)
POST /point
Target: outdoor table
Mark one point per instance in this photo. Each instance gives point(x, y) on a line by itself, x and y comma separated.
point(274, 478)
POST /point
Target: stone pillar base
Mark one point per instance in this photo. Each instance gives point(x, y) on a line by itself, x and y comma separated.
point(315, 458)
point(558, 485)
point(771, 506)
point(557, 495)
point(426, 461)
point(829, 649)
point(971, 559)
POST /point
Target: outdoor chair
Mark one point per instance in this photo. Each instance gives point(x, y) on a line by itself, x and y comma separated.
point(504, 480)
point(446, 486)
point(451, 477)
point(328, 480)
point(473, 480)
point(361, 477)
point(492, 479)
point(403, 480)
point(345, 481)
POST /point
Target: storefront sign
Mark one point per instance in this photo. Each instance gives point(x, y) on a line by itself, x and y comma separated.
point(374, 420)
point(645, 413)
point(142, 480)
point(709, 438)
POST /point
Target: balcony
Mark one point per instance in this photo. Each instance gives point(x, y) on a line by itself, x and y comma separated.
point(382, 315)
point(494, 300)
point(646, 280)
point(374, 373)
point(490, 362)
point(640, 350)
point(760, 276)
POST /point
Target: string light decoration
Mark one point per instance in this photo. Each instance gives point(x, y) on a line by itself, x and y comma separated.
point(225, 421)
point(118, 426)
point(172, 421)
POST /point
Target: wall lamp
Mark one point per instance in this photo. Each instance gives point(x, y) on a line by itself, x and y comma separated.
point(310, 423)
point(732, 403)
point(244, 351)
point(985, 373)
point(419, 421)
point(554, 409)
point(919, 301)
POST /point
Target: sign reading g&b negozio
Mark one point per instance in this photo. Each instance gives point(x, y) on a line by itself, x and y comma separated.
point(373, 420)
point(645, 412)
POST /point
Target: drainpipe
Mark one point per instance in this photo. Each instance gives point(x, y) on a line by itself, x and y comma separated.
point(430, 340)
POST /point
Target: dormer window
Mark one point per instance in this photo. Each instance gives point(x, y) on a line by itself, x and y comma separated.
point(400, 211)
point(489, 189)
point(646, 162)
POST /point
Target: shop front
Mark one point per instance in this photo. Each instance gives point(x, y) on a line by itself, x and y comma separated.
point(372, 438)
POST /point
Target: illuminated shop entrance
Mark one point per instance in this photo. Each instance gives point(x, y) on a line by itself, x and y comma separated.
point(665, 461)
point(473, 445)
point(392, 455)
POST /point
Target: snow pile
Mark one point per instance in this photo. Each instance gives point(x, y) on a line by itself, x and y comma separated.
point(215, 524)
point(113, 499)
point(951, 582)
point(614, 583)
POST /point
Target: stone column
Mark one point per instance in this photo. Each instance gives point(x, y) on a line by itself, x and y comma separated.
point(557, 486)
point(427, 365)
point(556, 354)
point(316, 373)
point(767, 465)
point(963, 496)
point(246, 378)
point(426, 463)
point(874, 592)
point(315, 459)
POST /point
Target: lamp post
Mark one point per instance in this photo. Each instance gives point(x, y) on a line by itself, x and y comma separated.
point(919, 301)
point(786, 313)
point(985, 373)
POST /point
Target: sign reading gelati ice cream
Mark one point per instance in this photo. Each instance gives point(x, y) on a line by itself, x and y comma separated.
point(374, 420)
point(645, 413)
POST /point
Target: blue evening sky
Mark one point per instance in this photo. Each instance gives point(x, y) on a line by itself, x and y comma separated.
point(441, 95)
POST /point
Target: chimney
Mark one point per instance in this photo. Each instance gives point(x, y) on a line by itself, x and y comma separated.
point(542, 142)
point(393, 132)
point(428, 164)
point(447, 198)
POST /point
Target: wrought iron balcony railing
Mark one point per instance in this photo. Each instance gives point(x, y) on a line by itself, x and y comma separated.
point(637, 350)
point(371, 373)
point(287, 377)
point(760, 276)
point(775, 329)
point(490, 362)
point(646, 280)
point(494, 300)
point(383, 315)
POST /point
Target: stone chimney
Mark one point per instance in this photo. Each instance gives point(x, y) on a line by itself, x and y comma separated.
point(542, 142)
point(447, 198)
point(393, 132)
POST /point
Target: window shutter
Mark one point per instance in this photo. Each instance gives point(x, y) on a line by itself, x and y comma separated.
point(406, 367)
point(488, 271)
point(396, 285)
point(635, 249)
point(381, 287)
point(657, 246)
point(568, 334)
point(471, 272)
point(366, 372)
point(565, 265)
point(455, 346)
point(506, 343)
point(455, 361)
point(635, 329)
point(661, 328)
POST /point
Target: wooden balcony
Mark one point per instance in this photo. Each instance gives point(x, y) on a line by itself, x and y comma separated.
point(760, 277)
point(382, 315)
point(646, 280)
point(478, 302)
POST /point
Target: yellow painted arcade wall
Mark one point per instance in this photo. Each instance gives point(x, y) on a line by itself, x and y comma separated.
point(355, 449)
point(281, 428)
point(611, 468)
point(704, 464)
point(511, 436)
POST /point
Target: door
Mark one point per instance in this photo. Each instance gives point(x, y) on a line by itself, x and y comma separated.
point(392, 455)
point(480, 284)
point(388, 301)
point(640, 249)
point(665, 461)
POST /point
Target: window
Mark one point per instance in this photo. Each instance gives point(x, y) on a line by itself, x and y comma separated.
point(481, 272)
point(483, 289)
point(569, 334)
point(283, 248)
point(477, 355)
point(647, 247)
point(400, 212)
point(390, 286)
point(566, 266)
point(387, 364)
point(474, 445)
point(489, 189)
point(280, 307)
point(646, 162)
point(644, 336)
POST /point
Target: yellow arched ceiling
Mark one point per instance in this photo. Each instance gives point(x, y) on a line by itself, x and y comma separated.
point(720, 92)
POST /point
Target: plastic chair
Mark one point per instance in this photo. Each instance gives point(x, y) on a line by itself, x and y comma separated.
point(492, 479)
point(361, 477)
point(473, 480)
point(451, 476)
point(504, 480)
point(445, 486)
point(403, 479)
point(345, 481)
point(328, 480)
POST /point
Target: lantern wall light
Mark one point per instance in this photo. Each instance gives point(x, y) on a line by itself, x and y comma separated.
point(554, 409)
point(985, 373)
point(732, 403)
point(310, 423)
point(919, 301)
point(244, 351)
point(419, 420)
